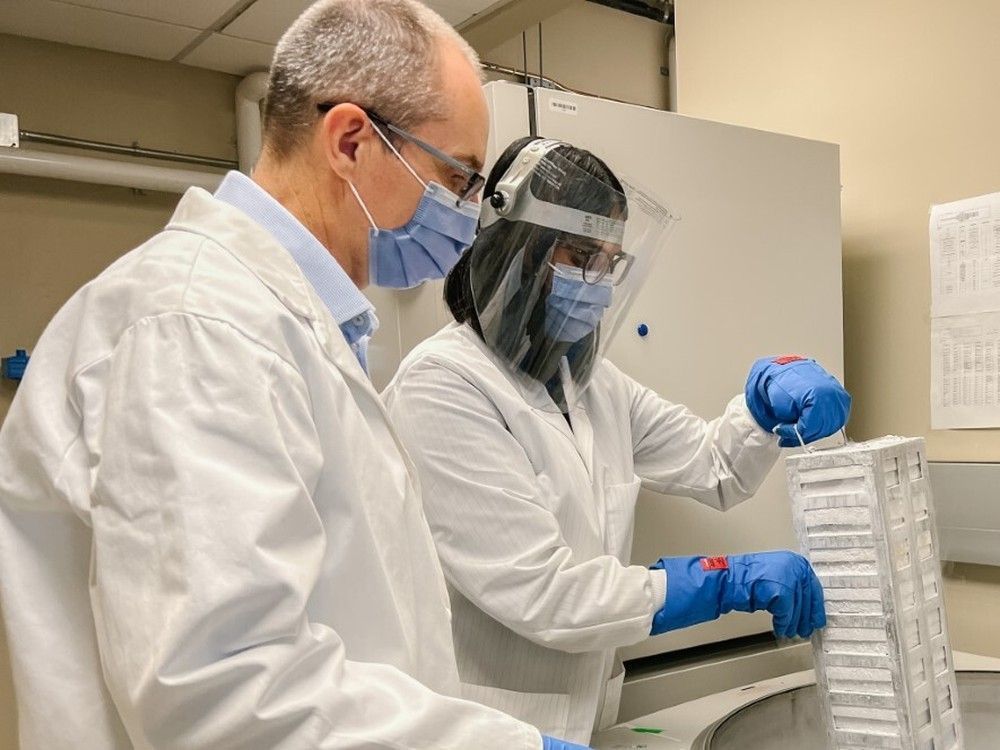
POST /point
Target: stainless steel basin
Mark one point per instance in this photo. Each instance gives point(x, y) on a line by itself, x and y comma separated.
point(792, 720)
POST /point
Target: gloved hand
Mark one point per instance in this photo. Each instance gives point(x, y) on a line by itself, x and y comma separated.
point(700, 589)
point(551, 743)
point(789, 394)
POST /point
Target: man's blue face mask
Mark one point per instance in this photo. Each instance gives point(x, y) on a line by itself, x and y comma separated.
point(573, 307)
point(427, 246)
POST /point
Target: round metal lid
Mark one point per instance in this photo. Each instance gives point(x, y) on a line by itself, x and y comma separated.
point(792, 720)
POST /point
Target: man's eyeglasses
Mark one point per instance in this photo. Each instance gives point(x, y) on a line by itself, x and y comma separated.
point(473, 180)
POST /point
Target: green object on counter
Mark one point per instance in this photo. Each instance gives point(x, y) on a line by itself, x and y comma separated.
point(647, 730)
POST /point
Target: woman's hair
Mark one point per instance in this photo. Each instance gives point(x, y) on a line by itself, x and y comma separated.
point(498, 244)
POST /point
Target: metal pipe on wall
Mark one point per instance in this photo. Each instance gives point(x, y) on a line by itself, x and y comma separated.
point(56, 165)
point(27, 136)
point(104, 171)
point(531, 80)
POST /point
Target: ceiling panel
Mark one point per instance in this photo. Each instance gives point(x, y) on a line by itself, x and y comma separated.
point(470, 7)
point(198, 14)
point(161, 29)
point(230, 55)
point(459, 11)
point(266, 20)
point(88, 27)
point(453, 13)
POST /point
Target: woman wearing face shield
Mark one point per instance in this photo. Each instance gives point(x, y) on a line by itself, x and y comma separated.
point(531, 449)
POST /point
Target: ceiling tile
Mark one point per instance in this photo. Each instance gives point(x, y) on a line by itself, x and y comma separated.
point(451, 12)
point(474, 6)
point(198, 14)
point(87, 27)
point(230, 55)
point(456, 12)
point(266, 20)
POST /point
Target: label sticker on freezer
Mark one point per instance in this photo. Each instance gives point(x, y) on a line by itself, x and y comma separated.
point(562, 106)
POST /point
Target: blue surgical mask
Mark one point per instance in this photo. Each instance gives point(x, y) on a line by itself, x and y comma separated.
point(427, 246)
point(574, 308)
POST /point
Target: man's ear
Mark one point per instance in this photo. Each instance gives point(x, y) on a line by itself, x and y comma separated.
point(347, 136)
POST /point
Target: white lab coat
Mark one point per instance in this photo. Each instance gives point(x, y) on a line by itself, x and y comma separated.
point(533, 520)
point(209, 537)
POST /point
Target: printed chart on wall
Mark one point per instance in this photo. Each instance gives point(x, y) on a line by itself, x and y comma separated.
point(965, 313)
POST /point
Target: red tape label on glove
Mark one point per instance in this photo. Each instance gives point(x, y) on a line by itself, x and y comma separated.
point(788, 359)
point(714, 563)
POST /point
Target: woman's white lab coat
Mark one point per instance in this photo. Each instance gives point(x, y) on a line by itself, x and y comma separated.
point(533, 520)
point(209, 536)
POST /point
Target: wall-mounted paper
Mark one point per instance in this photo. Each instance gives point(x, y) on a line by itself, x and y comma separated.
point(965, 371)
point(965, 313)
point(965, 256)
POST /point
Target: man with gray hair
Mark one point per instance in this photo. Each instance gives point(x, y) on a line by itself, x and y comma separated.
point(210, 536)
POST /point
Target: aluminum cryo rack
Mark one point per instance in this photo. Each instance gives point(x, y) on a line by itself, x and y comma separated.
point(865, 519)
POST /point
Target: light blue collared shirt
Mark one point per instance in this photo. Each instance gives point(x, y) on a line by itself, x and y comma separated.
point(349, 307)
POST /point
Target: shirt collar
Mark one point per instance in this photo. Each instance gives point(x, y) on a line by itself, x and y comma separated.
point(352, 311)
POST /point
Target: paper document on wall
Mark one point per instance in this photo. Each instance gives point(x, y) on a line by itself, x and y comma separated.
point(965, 313)
point(965, 256)
point(965, 371)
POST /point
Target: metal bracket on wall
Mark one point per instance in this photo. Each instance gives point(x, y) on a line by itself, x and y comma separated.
point(9, 132)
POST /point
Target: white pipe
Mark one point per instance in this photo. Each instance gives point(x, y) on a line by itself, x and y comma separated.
point(103, 171)
point(249, 93)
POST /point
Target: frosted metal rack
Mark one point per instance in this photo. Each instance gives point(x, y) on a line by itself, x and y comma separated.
point(865, 518)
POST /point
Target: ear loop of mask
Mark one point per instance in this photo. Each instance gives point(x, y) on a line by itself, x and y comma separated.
point(361, 203)
point(399, 156)
point(357, 196)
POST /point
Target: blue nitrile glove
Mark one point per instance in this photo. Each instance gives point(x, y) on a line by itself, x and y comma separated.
point(551, 743)
point(793, 396)
point(699, 589)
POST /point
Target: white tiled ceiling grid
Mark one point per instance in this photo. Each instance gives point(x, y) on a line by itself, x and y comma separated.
point(234, 36)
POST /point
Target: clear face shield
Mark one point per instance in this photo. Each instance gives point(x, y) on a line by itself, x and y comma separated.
point(558, 262)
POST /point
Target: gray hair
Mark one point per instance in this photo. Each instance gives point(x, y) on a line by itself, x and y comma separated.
point(379, 54)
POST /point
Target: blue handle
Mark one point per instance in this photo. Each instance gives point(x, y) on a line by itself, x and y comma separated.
point(13, 367)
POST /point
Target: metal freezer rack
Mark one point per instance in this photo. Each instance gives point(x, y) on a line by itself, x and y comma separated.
point(865, 519)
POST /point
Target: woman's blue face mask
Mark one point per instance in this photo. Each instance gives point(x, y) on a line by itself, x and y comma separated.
point(573, 307)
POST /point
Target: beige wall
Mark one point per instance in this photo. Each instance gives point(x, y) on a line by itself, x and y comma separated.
point(56, 235)
point(972, 599)
point(595, 50)
point(908, 90)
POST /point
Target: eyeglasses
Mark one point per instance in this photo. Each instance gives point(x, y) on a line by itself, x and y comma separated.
point(597, 264)
point(473, 180)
